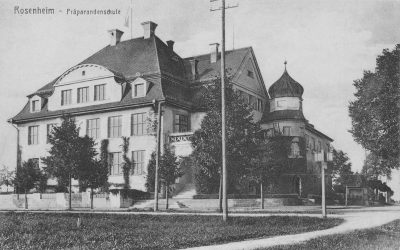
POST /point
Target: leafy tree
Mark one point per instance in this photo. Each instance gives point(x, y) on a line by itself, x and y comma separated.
point(341, 172)
point(270, 161)
point(206, 142)
point(27, 176)
point(151, 171)
point(373, 169)
point(70, 156)
point(169, 169)
point(375, 111)
point(97, 177)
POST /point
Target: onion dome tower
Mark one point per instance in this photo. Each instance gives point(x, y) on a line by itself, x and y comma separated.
point(286, 100)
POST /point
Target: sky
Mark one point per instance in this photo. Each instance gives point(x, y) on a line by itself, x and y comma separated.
point(328, 45)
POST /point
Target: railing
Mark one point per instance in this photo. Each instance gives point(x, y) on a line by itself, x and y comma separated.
point(180, 137)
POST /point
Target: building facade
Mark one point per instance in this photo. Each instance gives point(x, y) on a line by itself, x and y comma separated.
point(115, 92)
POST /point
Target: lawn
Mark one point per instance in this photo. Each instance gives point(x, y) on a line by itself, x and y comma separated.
point(384, 237)
point(113, 231)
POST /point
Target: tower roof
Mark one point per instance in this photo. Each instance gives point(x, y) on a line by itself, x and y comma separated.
point(286, 86)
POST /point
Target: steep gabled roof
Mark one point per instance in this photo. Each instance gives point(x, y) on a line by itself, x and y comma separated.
point(207, 70)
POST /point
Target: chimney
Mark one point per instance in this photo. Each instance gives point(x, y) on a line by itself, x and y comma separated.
point(195, 72)
point(115, 36)
point(170, 44)
point(214, 52)
point(148, 29)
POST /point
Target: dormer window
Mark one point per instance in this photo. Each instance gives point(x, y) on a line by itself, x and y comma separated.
point(35, 106)
point(83, 95)
point(66, 97)
point(100, 92)
point(139, 90)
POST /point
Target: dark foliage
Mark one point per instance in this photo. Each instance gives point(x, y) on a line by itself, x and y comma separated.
point(206, 142)
point(375, 112)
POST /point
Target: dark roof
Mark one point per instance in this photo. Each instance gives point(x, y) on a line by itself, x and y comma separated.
point(283, 115)
point(286, 86)
point(207, 70)
point(156, 62)
point(311, 128)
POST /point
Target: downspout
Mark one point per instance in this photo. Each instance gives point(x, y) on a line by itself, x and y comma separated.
point(18, 155)
point(159, 124)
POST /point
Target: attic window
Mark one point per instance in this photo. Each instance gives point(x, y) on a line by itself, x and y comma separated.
point(139, 90)
point(83, 73)
point(35, 106)
point(250, 73)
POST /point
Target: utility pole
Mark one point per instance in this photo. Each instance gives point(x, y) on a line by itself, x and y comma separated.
point(223, 122)
point(323, 202)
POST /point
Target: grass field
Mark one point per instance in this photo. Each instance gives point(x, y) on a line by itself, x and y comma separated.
point(384, 238)
point(100, 231)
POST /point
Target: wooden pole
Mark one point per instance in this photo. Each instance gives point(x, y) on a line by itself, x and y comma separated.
point(70, 193)
point(224, 168)
point(346, 197)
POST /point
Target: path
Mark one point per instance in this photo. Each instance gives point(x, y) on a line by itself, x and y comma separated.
point(353, 221)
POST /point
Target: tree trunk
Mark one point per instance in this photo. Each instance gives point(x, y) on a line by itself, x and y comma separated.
point(220, 192)
point(26, 200)
point(262, 195)
point(70, 193)
point(166, 195)
point(91, 197)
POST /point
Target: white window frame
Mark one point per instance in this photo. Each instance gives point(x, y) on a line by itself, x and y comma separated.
point(99, 92)
point(66, 97)
point(33, 135)
point(114, 126)
point(93, 132)
point(82, 95)
point(139, 162)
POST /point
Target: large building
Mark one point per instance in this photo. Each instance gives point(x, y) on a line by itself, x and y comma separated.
point(115, 92)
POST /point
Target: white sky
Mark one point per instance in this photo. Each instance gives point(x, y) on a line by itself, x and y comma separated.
point(328, 44)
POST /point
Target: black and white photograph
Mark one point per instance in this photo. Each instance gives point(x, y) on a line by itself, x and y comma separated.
point(200, 124)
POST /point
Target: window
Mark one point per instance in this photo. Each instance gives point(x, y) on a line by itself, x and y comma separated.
point(115, 163)
point(139, 90)
point(181, 123)
point(99, 92)
point(138, 124)
point(281, 104)
point(295, 149)
point(319, 146)
point(313, 144)
point(114, 126)
point(50, 130)
point(253, 102)
point(83, 73)
point(66, 97)
point(35, 106)
point(307, 141)
point(138, 162)
point(259, 105)
point(83, 95)
point(93, 128)
point(250, 74)
point(286, 130)
point(33, 135)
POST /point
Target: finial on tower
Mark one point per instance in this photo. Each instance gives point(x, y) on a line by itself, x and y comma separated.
point(285, 64)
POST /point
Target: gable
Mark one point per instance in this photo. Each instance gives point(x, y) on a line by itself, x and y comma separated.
point(248, 76)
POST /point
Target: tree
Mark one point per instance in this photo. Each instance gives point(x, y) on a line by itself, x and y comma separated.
point(169, 169)
point(27, 176)
point(341, 172)
point(96, 177)
point(206, 142)
point(70, 156)
point(168, 172)
point(270, 162)
point(375, 111)
point(373, 169)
